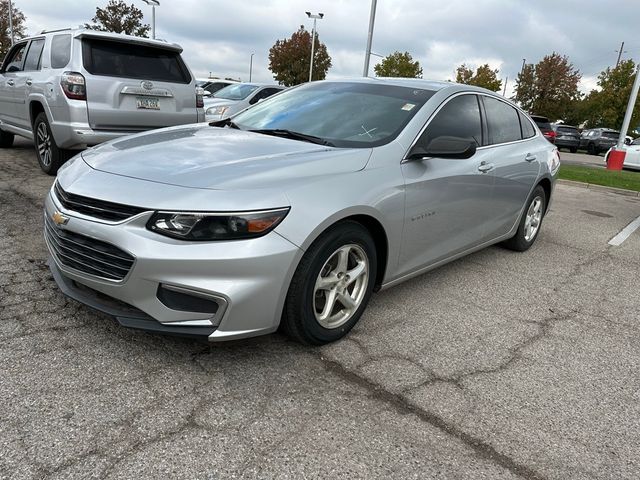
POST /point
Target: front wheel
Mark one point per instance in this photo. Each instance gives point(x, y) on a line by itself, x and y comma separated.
point(573, 149)
point(591, 149)
point(6, 139)
point(331, 286)
point(50, 156)
point(530, 223)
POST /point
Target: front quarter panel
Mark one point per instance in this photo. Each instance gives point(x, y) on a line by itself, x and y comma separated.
point(376, 191)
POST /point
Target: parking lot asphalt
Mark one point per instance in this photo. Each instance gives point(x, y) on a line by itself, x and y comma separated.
point(499, 365)
point(582, 158)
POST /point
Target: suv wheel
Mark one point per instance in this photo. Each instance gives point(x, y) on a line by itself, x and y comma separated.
point(591, 149)
point(573, 149)
point(50, 156)
point(530, 223)
point(331, 286)
point(6, 139)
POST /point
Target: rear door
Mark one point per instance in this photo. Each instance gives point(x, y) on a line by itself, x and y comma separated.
point(134, 86)
point(515, 154)
point(24, 82)
point(632, 156)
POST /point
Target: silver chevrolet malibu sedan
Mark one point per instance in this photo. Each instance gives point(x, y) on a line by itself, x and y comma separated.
point(290, 214)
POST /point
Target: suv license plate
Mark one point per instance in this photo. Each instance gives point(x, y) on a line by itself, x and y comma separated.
point(148, 103)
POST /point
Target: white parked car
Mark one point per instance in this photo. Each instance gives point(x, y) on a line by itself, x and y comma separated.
point(235, 98)
point(632, 154)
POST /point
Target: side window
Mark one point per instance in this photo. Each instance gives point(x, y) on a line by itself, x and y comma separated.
point(525, 124)
point(60, 51)
point(33, 56)
point(16, 59)
point(262, 94)
point(502, 120)
point(460, 117)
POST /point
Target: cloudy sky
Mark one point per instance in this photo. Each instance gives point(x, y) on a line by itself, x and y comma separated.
point(219, 36)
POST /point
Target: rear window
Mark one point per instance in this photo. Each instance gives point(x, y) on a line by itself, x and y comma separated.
point(567, 130)
point(60, 51)
point(613, 135)
point(542, 124)
point(116, 59)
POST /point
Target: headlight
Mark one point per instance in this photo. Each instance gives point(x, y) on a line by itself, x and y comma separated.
point(216, 110)
point(201, 226)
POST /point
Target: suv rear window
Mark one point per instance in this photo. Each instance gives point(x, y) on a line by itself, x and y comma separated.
point(567, 130)
point(116, 59)
point(542, 124)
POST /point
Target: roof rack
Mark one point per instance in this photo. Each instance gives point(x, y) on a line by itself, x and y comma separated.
point(61, 29)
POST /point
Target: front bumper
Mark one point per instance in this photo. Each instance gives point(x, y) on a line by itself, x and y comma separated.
point(250, 277)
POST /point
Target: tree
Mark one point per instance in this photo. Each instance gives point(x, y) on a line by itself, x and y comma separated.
point(398, 65)
point(5, 33)
point(606, 107)
point(289, 59)
point(549, 88)
point(484, 77)
point(118, 17)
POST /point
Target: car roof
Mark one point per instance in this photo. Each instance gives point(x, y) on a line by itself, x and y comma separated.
point(87, 32)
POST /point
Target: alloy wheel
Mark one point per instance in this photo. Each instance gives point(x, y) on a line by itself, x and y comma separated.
point(341, 286)
point(533, 219)
point(43, 141)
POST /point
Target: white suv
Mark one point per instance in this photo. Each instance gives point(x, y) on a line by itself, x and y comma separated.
point(69, 89)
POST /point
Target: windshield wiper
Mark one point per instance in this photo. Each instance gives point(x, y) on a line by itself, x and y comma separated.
point(279, 132)
point(224, 123)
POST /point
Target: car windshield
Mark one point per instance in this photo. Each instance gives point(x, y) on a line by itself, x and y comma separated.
point(341, 113)
point(235, 92)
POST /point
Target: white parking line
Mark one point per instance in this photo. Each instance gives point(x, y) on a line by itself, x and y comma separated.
point(625, 233)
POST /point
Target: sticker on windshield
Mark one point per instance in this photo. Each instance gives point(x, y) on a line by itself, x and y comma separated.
point(408, 106)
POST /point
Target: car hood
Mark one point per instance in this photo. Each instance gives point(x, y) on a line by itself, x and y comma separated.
point(200, 156)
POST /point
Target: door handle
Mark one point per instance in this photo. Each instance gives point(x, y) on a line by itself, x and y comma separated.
point(485, 167)
point(29, 82)
point(530, 157)
point(10, 83)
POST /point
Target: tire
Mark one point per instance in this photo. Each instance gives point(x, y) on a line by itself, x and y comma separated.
point(591, 149)
point(573, 149)
point(6, 139)
point(50, 156)
point(524, 238)
point(306, 316)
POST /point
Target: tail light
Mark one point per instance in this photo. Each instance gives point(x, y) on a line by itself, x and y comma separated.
point(199, 97)
point(73, 85)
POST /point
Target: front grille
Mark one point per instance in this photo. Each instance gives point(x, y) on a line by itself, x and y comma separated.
point(87, 254)
point(95, 208)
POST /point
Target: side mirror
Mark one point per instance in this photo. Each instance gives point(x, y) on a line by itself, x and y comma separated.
point(13, 68)
point(445, 147)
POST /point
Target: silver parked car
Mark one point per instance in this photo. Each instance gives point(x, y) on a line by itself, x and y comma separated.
point(294, 211)
point(69, 89)
point(232, 99)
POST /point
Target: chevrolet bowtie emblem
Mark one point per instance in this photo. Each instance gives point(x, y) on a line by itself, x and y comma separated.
point(59, 219)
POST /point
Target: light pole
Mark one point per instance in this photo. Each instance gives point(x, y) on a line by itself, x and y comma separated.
point(154, 4)
point(367, 55)
point(251, 66)
point(313, 38)
point(11, 21)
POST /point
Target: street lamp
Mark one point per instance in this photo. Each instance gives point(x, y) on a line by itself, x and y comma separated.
point(251, 66)
point(367, 55)
point(313, 37)
point(154, 4)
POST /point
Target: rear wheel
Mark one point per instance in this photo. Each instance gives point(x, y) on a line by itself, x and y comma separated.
point(573, 149)
point(530, 223)
point(332, 285)
point(50, 156)
point(6, 139)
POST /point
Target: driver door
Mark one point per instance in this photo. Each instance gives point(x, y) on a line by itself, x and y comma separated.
point(13, 63)
point(447, 201)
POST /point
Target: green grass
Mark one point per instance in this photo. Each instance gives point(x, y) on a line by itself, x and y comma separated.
point(626, 179)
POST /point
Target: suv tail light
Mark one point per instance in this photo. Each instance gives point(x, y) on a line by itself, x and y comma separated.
point(199, 97)
point(73, 85)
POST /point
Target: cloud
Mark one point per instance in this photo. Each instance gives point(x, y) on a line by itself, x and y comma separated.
point(219, 37)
